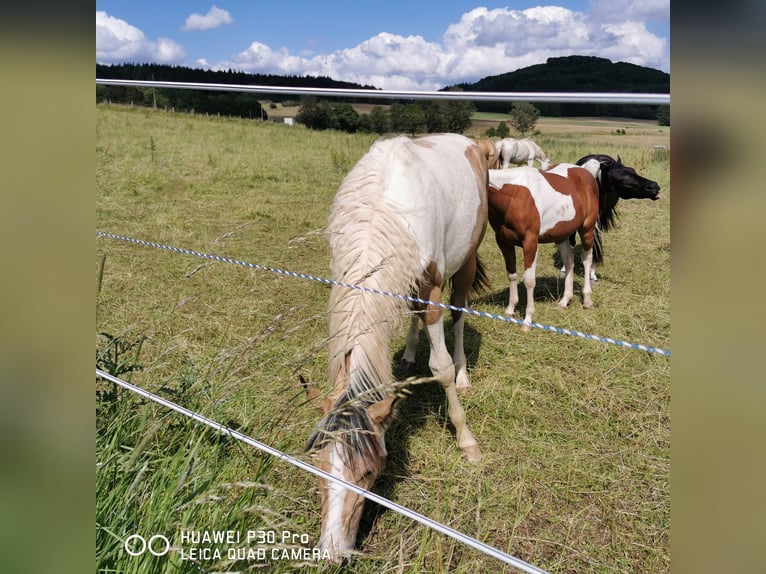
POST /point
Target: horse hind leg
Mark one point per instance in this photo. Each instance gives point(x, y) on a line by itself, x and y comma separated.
point(509, 256)
point(587, 289)
point(567, 256)
point(586, 241)
point(563, 270)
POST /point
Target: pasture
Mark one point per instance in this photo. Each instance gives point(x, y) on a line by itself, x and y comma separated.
point(575, 434)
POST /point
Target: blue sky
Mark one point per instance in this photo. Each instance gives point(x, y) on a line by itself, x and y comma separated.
point(414, 45)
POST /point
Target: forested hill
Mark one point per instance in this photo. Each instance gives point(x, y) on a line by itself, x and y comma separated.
point(165, 73)
point(577, 74)
point(224, 103)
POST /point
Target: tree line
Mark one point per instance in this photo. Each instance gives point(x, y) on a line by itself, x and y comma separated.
point(427, 116)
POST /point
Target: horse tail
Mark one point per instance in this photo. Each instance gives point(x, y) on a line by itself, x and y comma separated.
point(480, 279)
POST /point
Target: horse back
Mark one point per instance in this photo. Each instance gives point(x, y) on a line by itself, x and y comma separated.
point(580, 185)
point(437, 185)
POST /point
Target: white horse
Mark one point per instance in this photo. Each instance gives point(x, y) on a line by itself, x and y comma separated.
point(520, 152)
point(407, 218)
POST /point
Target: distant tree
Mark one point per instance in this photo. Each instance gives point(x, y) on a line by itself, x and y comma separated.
point(311, 114)
point(395, 113)
point(434, 112)
point(380, 122)
point(501, 130)
point(663, 115)
point(458, 115)
point(413, 119)
point(344, 117)
point(524, 117)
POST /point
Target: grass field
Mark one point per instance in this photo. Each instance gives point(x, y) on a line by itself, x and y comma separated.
point(575, 434)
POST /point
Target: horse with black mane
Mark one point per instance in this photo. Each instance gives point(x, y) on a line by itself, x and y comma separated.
point(406, 219)
point(618, 181)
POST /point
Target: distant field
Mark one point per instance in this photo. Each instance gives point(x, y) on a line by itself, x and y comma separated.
point(575, 433)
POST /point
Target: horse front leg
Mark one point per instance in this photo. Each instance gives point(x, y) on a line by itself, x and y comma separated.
point(462, 283)
point(530, 280)
point(443, 370)
point(567, 256)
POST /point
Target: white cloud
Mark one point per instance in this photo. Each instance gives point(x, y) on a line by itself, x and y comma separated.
point(631, 42)
point(483, 42)
point(213, 19)
point(631, 10)
point(118, 41)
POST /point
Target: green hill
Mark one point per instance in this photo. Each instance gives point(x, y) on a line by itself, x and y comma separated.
point(577, 74)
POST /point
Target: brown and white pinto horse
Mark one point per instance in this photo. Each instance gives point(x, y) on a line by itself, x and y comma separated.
point(407, 218)
point(529, 206)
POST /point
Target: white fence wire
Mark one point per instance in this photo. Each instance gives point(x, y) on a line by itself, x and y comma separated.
point(552, 97)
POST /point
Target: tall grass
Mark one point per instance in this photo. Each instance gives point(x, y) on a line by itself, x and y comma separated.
point(575, 434)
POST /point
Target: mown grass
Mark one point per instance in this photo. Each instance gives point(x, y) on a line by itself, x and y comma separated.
point(575, 434)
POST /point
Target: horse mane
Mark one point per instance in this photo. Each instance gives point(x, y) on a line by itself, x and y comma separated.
point(369, 248)
point(607, 196)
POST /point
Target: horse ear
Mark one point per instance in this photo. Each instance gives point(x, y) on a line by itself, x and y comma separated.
point(314, 396)
point(619, 160)
point(382, 412)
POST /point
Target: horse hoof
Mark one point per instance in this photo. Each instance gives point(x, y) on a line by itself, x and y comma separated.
point(526, 328)
point(588, 305)
point(462, 384)
point(472, 453)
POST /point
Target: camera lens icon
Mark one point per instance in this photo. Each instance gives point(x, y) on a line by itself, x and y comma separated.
point(157, 545)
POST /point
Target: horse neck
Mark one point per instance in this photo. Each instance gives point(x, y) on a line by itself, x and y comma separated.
point(369, 248)
point(360, 365)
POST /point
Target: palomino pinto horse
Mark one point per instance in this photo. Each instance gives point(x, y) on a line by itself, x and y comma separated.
point(616, 181)
point(520, 152)
point(529, 206)
point(408, 217)
point(490, 151)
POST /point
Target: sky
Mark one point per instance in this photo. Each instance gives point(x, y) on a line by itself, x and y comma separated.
point(394, 45)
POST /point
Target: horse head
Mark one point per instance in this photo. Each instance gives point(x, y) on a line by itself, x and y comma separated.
point(617, 181)
point(347, 443)
point(629, 185)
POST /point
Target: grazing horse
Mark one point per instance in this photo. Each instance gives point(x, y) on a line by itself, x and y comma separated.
point(528, 206)
point(616, 181)
point(520, 152)
point(406, 219)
